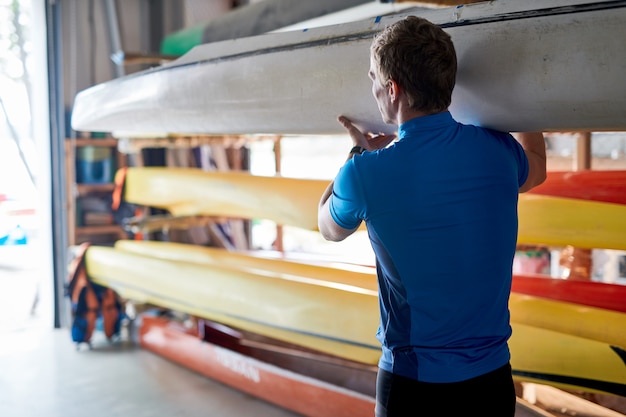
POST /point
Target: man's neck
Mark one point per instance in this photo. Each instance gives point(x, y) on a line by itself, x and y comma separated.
point(404, 115)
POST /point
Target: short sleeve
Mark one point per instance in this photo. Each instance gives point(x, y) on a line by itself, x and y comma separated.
point(522, 162)
point(347, 202)
point(517, 153)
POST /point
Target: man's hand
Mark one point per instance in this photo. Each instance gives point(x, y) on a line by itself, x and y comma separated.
point(369, 141)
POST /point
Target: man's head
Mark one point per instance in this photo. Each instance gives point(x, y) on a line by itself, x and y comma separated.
point(420, 57)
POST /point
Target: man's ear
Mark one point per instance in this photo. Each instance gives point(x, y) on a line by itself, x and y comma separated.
point(393, 89)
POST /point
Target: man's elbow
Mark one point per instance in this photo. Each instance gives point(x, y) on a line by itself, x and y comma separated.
point(542, 178)
point(330, 234)
point(537, 179)
point(330, 230)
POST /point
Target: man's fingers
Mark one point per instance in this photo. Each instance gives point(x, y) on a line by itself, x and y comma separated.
point(345, 122)
point(352, 129)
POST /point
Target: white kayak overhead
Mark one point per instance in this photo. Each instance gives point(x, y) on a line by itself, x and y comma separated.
point(536, 65)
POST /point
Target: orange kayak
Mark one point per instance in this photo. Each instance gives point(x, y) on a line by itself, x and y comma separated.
point(603, 186)
point(586, 293)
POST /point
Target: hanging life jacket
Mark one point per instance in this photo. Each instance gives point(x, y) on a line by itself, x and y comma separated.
point(92, 305)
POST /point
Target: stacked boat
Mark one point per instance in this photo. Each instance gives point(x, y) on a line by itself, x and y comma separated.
point(562, 337)
point(330, 313)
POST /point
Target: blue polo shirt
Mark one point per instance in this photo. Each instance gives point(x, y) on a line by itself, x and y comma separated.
point(440, 206)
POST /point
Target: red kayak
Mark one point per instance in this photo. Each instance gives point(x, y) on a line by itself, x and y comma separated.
point(604, 186)
point(588, 293)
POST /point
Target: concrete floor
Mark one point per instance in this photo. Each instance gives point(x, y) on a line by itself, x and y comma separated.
point(43, 375)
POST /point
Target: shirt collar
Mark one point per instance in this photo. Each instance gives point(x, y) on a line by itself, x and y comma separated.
point(429, 122)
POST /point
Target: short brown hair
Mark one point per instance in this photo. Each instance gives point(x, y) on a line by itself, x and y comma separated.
point(420, 57)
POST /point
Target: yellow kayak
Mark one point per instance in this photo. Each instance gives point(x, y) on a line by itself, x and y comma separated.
point(191, 191)
point(337, 321)
point(289, 201)
point(341, 322)
point(591, 323)
point(566, 361)
point(562, 221)
point(353, 277)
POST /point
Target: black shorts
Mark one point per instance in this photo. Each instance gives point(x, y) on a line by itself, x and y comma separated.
point(488, 395)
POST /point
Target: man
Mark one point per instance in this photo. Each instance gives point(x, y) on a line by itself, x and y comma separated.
point(440, 205)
